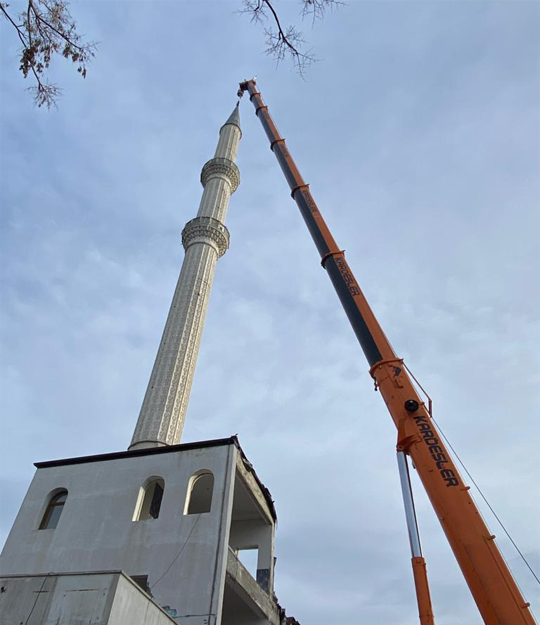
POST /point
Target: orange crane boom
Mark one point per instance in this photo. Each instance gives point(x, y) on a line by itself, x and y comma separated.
point(490, 581)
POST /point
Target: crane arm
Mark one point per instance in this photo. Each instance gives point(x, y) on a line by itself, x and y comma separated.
point(425, 611)
point(490, 581)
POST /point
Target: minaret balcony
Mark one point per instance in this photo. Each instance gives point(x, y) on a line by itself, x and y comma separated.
point(206, 230)
point(221, 168)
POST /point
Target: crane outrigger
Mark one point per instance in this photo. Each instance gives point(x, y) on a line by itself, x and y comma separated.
point(490, 581)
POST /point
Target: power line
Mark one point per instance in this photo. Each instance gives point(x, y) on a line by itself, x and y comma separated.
point(38, 595)
point(177, 555)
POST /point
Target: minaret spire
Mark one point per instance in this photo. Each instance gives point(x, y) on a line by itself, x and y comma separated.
point(205, 240)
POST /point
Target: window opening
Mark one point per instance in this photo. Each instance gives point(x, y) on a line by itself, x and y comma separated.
point(53, 511)
point(149, 503)
point(155, 503)
point(200, 493)
point(248, 557)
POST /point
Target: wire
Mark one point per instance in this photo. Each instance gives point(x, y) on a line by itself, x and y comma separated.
point(38, 595)
point(487, 502)
point(177, 555)
point(471, 477)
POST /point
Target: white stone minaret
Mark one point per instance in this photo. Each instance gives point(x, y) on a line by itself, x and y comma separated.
point(205, 239)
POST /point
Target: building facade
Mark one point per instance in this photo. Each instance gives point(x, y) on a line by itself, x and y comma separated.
point(175, 519)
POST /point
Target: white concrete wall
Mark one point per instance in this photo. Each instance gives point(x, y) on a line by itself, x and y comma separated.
point(131, 606)
point(96, 531)
point(77, 599)
point(256, 533)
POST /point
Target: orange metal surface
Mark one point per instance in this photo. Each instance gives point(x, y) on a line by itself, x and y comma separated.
point(491, 583)
point(425, 610)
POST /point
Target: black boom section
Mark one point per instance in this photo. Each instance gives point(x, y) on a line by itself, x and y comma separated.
point(279, 151)
point(363, 334)
point(265, 125)
point(316, 234)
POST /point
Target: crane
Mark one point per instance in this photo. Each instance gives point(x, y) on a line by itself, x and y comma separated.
point(490, 581)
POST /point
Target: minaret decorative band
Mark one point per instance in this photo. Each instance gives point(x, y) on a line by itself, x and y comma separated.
point(221, 167)
point(206, 230)
point(205, 239)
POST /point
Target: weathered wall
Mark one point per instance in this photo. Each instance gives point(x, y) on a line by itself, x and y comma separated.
point(77, 599)
point(256, 533)
point(263, 607)
point(96, 531)
point(131, 606)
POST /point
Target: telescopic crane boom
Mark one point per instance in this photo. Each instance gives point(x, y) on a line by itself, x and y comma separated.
point(490, 581)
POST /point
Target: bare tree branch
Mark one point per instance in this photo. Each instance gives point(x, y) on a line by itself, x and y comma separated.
point(46, 29)
point(288, 42)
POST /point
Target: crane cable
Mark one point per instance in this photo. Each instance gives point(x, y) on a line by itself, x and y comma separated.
point(430, 410)
point(486, 501)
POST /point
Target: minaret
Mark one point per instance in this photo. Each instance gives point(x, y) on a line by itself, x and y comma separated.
point(205, 239)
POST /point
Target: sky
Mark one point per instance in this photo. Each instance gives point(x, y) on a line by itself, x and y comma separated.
point(418, 130)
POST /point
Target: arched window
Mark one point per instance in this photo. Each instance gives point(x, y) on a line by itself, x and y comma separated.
point(54, 510)
point(149, 500)
point(199, 497)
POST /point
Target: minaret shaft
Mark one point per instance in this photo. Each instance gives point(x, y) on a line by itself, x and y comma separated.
point(205, 240)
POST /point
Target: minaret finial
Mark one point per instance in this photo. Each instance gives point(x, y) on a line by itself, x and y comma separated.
point(205, 240)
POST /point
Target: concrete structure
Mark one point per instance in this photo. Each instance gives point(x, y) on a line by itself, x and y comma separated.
point(205, 239)
point(175, 519)
point(100, 598)
point(188, 560)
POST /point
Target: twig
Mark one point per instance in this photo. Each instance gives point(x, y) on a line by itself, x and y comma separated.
point(48, 28)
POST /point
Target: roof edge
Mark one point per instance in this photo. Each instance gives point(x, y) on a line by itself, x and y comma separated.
point(134, 453)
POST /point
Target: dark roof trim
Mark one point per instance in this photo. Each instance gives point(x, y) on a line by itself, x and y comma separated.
point(138, 452)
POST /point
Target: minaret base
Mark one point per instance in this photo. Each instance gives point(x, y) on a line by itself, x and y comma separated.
point(146, 445)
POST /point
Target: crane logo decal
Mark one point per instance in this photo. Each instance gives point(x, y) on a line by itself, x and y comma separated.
point(438, 455)
point(348, 278)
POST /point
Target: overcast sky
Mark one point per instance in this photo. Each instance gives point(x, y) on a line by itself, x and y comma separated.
point(419, 133)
